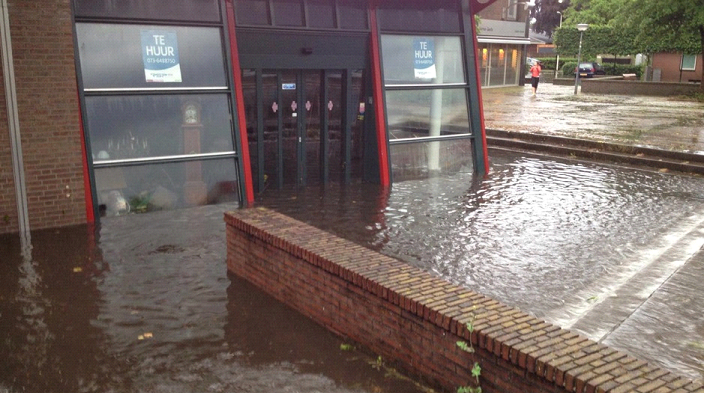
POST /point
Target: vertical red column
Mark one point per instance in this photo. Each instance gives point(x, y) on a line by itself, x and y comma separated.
point(378, 96)
point(239, 100)
point(87, 193)
point(479, 93)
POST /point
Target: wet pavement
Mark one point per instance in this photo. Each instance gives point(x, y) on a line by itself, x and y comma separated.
point(657, 122)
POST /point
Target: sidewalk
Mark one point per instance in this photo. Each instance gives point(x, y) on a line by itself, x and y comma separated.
point(655, 122)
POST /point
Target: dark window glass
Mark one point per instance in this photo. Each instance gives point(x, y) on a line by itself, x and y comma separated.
point(252, 12)
point(113, 56)
point(288, 13)
point(191, 10)
point(132, 127)
point(441, 16)
point(321, 13)
point(353, 14)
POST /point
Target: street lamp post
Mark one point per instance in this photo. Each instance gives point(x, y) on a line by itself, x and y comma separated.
point(582, 27)
point(557, 62)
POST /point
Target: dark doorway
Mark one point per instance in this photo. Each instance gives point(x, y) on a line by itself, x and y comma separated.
point(304, 127)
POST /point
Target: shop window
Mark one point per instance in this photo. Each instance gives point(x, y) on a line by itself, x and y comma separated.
point(422, 60)
point(426, 113)
point(120, 56)
point(410, 161)
point(151, 126)
point(252, 12)
point(191, 10)
point(152, 187)
point(441, 16)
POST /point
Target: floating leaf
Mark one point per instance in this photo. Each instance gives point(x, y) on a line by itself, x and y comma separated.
point(77, 269)
point(346, 347)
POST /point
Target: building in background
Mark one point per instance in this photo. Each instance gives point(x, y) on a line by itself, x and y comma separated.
point(503, 37)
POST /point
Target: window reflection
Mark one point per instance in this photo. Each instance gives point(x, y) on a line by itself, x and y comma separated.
point(126, 127)
point(412, 161)
point(143, 188)
point(427, 113)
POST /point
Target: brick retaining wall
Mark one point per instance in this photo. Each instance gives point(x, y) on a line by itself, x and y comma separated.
point(406, 315)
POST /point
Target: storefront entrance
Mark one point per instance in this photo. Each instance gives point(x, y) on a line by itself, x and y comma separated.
point(304, 127)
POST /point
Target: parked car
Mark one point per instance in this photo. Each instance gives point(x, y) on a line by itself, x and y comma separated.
point(588, 70)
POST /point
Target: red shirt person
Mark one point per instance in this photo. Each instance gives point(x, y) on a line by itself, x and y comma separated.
point(535, 75)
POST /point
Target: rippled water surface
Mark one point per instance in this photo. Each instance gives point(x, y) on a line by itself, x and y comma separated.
point(582, 245)
point(147, 306)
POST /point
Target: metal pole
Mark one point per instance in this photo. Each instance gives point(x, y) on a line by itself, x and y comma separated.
point(13, 121)
point(557, 62)
point(579, 56)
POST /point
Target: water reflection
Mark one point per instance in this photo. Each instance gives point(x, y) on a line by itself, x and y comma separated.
point(559, 239)
point(145, 305)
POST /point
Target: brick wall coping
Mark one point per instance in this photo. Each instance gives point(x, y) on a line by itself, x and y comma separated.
point(560, 358)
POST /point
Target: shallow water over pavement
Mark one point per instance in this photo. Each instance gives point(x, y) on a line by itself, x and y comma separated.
point(668, 123)
point(146, 305)
point(585, 246)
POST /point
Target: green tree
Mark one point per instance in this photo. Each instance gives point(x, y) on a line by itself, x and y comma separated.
point(637, 26)
point(546, 15)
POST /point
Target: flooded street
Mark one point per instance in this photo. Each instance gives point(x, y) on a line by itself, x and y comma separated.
point(590, 247)
point(146, 305)
point(667, 123)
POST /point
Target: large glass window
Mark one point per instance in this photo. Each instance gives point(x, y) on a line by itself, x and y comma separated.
point(422, 60)
point(157, 105)
point(150, 187)
point(424, 159)
point(129, 56)
point(426, 113)
point(193, 10)
point(147, 126)
point(500, 64)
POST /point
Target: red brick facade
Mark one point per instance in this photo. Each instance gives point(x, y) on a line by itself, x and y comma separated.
point(669, 65)
point(45, 77)
point(415, 319)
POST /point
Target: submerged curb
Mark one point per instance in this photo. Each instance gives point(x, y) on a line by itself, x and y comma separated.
point(597, 150)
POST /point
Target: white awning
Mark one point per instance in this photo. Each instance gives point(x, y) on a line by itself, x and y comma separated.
point(503, 40)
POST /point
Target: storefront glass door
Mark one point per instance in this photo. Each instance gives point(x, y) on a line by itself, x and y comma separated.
point(304, 126)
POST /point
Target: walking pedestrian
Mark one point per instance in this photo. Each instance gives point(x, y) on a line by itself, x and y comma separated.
point(535, 75)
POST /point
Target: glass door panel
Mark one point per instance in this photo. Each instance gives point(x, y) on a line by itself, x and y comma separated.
point(249, 90)
point(335, 128)
point(312, 128)
point(290, 108)
point(272, 119)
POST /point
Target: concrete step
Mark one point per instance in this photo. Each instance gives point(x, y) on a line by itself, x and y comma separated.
point(597, 151)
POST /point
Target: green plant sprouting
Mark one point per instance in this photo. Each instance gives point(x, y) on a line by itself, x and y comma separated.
point(476, 368)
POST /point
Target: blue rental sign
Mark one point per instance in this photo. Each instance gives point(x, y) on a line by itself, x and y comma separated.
point(424, 58)
point(160, 56)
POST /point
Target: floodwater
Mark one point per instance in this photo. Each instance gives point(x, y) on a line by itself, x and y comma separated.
point(144, 304)
point(610, 252)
